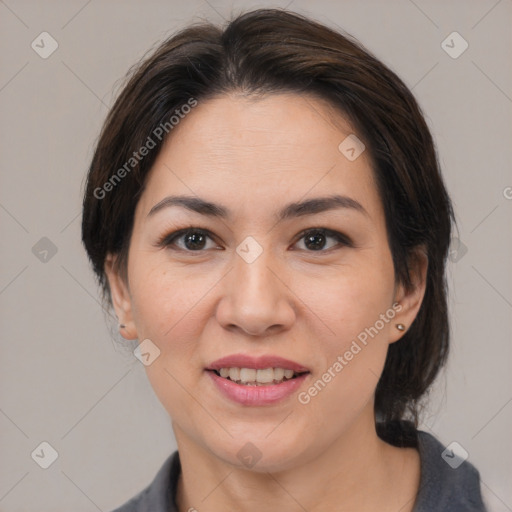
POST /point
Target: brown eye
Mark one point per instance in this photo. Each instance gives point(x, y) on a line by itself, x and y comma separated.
point(196, 239)
point(193, 239)
point(316, 239)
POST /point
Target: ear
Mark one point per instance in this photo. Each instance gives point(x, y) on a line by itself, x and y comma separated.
point(121, 298)
point(410, 299)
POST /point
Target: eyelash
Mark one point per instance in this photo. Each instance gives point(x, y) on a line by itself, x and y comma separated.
point(168, 240)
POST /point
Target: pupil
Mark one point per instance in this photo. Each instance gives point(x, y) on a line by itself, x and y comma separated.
point(195, 238)
point(315, 245)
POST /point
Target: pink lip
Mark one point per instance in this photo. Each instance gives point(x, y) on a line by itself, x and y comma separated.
point(256, 395)
point(258, 363)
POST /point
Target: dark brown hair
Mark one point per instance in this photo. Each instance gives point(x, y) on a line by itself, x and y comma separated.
point(273, 51)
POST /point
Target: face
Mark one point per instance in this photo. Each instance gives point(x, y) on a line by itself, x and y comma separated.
point(314, 286)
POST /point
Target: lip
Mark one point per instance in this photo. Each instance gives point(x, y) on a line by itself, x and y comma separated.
point(257, 363)
point(256, 395)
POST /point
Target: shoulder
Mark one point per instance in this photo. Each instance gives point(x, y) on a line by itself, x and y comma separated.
point(448, 482)
point(158, 496)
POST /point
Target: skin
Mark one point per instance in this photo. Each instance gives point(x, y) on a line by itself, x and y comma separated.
point(253, 156)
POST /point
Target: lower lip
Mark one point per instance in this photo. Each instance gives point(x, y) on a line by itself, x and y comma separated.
point(256, 395)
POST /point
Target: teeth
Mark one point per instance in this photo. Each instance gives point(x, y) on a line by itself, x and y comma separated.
point(288, 374)
point(265, 376)
point(278, 373)
point(246, 374)
point(251, 376)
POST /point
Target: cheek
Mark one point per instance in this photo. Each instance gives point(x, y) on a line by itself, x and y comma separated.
point(351, 300)
point(166, 310)
point(353, 357)
point(162, 301)
point(356, 311)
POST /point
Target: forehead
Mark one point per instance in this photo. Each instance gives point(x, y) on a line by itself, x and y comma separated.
point(289, 125)
point(257, 151)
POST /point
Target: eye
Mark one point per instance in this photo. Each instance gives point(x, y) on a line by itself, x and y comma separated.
point(315, 239)
point(194, 239)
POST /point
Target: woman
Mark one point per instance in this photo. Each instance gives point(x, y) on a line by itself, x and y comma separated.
point(265, 213)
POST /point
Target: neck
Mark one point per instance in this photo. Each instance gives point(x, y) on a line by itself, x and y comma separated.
point(358, 471)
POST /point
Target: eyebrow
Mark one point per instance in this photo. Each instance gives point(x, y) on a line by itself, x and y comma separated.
point(291, 210)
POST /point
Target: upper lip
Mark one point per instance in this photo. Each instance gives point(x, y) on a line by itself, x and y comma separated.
point(258, 363)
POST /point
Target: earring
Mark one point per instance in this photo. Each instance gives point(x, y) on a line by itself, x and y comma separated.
point(400, 327)
point(122, 326)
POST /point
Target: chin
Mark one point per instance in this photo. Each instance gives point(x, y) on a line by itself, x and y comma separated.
point(259, 454)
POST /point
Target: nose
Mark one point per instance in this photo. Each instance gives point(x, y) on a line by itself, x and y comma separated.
point(256, 298)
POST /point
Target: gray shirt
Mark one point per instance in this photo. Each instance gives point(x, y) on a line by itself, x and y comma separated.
point(442, 488)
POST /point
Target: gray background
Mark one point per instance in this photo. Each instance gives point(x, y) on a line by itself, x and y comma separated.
point(64, 378)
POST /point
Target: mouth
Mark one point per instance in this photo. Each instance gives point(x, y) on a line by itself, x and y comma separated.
point(258, 377)
point(256, 381)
